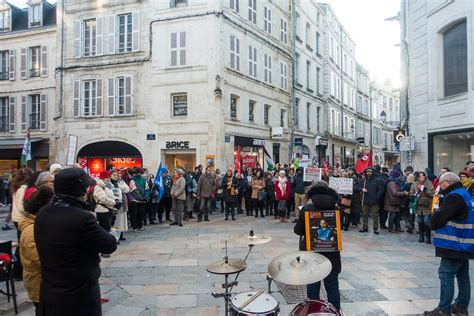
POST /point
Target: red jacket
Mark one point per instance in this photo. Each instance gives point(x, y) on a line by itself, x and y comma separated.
point(278, 194)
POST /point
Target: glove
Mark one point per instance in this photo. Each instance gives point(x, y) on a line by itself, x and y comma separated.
point(118, 205)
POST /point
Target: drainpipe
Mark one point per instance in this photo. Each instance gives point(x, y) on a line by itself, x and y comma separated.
point(293, 79)
point(61, 72)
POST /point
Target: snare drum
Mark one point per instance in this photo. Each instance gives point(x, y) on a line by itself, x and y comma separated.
point(263, 305)
point(314, 308)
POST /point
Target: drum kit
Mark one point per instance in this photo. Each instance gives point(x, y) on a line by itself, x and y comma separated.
point(294, 268)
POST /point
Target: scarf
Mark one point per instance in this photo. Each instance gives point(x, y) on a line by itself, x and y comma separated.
point(230, 187)
point(467, 183)
point(282, 183)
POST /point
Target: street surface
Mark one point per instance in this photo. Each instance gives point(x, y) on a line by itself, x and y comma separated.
point(162, 271)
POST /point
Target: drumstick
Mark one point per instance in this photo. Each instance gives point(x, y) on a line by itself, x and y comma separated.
point(250, 300)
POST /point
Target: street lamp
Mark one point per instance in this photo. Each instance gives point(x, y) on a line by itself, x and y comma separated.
point(351, 132)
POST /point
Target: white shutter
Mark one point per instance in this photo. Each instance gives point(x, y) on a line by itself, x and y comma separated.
point(100, 36)
point(44, 61)
point(77, 39)
point(11, 65)
point(24, 114)
point(128, 95)
point(98, 100)
point(136, 31)
point(77, 98)
point(24, 60)
point(111, 105)
point(111, 35)
point(11, 115)
point(43, 111)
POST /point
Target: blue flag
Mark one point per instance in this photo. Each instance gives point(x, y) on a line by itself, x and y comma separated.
point(159, 181)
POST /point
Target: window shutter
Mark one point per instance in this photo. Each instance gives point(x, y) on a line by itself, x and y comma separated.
point(11, 115)
point(111, 36)
point(11, 66)
point(77, 39)
point(111, 111)
point(44, 61)
point(136, 31)
point(100, 36)
point(77, 97)
point(128, 95)
point(23, 72)
point(43, 111)
point(237, 49)
point(23, 113)
point(98, 99)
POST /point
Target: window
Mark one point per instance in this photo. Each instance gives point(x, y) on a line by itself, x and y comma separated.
point(331, 48)
point(308, 112)
point(284, 76)
point(178, 3)
point(179, 104)
point(297, 66)
point(308, 74)
point(318, 118)
point(318, 80)
point(125, 33)
point(268, 68)
point(318, 43)
point(124, 96)
point(308, 34)
point(4, 65)
point(338, 124)
point(346, 126)
point(282, 118)
point(253, 11)
point(234, 5)
point(90, 41)
point(89, 99)
point(4, 20)
point(251, 111)
point(35, 15)
point(3, 114)
point(283, 31)
point(252, 62)
point(178, 49)
point(234, 53)
point(297, 113)
point(455, 59)
point(34, 62)
point(333, 121)
point(266, 113)
point(34, 111)
point(233, 107)
point(267, 20)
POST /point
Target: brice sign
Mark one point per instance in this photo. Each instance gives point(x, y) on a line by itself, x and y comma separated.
point(177, 145)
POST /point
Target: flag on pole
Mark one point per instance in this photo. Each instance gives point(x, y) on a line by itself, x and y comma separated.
point(159, 181)
point(26, 153)
point(268, 159)
point(364, 162)
point(237, 162)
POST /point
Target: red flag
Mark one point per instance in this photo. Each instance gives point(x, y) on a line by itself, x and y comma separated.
point(237, 160)
point(364, 162)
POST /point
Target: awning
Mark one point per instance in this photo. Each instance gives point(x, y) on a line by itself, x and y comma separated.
point(16, 143)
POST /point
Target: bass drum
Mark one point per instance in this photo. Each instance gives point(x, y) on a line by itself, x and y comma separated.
point(315, 308)
point(263, 305)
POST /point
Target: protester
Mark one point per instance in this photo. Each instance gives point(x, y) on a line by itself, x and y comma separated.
point(291, 202)
point(356, 197)
point(282, 194)
point(371, 191)
point(151, 206)
point(191, 188)
point(248, 176)
point(55, 168)
point(139, 193)
point(407, 217)
point(298, 186)
point(165, 201)
point(422, 191)
point(258, 192)
point(106, 201)
point(230, 193)
point(383, 176)
point(205, 192)
point(393, 201)
point(453, 223)
point(467, 181)
point(345, 204)
point(120, 190)
point(270, 195)
point(69, 240)
point(178, 194)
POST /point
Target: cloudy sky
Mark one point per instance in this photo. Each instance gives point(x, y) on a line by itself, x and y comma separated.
point(375, 38)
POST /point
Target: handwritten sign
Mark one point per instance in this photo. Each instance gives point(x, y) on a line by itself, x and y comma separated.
point(341, 185)
point(311, 174)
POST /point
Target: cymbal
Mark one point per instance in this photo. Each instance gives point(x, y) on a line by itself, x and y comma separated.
point(253, 239)
point(229, 266)
point(299, 268)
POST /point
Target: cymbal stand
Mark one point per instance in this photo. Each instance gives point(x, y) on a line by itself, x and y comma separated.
point(226, 286)
point(245, 260)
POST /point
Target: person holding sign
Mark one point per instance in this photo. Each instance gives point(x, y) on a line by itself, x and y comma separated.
point(322, 199)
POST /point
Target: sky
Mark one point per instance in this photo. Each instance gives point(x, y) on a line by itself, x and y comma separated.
point(376, 40)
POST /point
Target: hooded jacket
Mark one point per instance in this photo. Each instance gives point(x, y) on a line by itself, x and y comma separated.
point(374, 189)
point(298, 183)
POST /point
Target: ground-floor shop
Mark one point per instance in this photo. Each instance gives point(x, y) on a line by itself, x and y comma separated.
point(11, 150)
point(342, 153)
point(391, 158)
point(451, 149)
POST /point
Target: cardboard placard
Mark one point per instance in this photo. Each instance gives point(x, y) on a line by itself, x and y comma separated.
point(323, 231)
point(342, 185)
point(311, 174)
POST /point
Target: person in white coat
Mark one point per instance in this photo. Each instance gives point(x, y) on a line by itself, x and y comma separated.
point(106, 202)
point(120, 191)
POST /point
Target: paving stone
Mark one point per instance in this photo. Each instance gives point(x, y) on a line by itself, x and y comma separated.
point(365, 295)
point(399, 307)
point(399, 294)
point(160, 289)
point(177, 301)
point(123, 310)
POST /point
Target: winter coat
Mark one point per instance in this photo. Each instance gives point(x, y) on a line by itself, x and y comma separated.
point(258, 185)
point(279, 195)
point(393, 197)
point(29, 258)
point(69, 240)
point(356, 198)
point(298, 184)
point(191, 184)
point(18, 212)
point(452, 207)
point(167, 184)
point(270, 188)
point(178, 190)
point(227, 190)
point(206, 186)
point(426, 196)
point(104, 197)
point(374, 190)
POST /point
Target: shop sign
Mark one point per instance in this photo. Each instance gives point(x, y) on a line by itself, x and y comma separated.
point(177, 145)
point(360, 140)
point(407, 143)
point(249, 161)
point(298, 141)
point(258, 142)
point(227, 138)
point(150, 136)
point(323, 142)
point(180, 105)
point(122, 162)
point(96, 166)
point(277, 132)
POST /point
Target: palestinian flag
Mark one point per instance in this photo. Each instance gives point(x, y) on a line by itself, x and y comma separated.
point(26, 153)
point(268, 159)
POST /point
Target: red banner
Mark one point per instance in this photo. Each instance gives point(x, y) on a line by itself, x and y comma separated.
point(249, 161)
point(237, 165)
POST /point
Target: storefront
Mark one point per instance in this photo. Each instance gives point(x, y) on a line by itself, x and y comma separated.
point(321, 147)
point(343, 153)
point(251, 150)
point(450, 149)
point(108, 155)
point(391, 157)
point(179, 153)
point(10, 154)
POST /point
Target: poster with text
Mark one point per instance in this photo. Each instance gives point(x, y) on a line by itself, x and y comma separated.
point(311, 174)
point(342, 185)
point(249, 161)
point(323, 231)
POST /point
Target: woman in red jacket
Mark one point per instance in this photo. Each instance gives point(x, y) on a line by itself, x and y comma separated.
point(282, 194)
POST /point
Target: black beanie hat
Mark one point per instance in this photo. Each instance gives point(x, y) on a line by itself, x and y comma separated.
point(72, 181)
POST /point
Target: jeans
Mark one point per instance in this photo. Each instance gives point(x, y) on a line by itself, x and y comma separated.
point(300, 199)
point(423, 219)
point(178, 208)
point(164, 206)
point(331, 283)
point(205, 202)
point(269, 204)
point(394, 220)
point(230, 209)
point(374, 210)
point(257, 205)
point(448, 269)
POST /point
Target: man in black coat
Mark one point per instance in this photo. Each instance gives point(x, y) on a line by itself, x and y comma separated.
point(372, 190)
point(69, 240)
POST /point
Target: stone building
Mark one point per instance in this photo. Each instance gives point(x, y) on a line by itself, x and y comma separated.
point(27, 82)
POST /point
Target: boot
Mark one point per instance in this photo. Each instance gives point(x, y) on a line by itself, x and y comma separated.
point(428, 234)
point(421, 228)
point(199, 218)
point(233, 215)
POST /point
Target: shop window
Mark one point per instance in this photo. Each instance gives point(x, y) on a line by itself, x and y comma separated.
point(233, 106)
point(180, 104)
point(251, 111)
point(455, 59)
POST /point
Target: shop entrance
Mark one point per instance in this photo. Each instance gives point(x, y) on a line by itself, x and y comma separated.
point(184, 160)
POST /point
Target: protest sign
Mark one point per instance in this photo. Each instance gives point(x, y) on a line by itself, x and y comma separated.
point(323, 231)
point(311, 174)
point(341, 185)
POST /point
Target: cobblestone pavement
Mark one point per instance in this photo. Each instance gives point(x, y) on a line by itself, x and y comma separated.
point(162, 271)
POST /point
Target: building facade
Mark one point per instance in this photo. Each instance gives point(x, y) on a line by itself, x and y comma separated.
point(27, 83)
point(440, 112)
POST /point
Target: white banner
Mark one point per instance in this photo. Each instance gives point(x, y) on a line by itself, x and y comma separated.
point(311, 174)
point(71, 150)
point(341, 185)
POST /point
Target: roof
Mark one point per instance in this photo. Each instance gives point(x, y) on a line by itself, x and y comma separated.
point(20, 17)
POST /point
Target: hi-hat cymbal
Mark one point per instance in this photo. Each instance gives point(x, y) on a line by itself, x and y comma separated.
point(299, 268)
point(229, 266)
point(253, 239)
